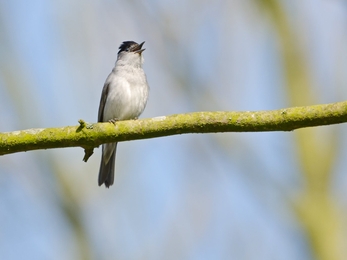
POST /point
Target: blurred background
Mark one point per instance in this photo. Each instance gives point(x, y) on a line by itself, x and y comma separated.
point(214, 196)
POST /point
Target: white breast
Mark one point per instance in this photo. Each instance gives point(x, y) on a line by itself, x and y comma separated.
point(127, 94)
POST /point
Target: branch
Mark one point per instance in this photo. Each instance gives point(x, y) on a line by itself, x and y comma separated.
point(90, 136)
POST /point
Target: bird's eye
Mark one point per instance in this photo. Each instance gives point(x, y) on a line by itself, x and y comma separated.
point(127, 50)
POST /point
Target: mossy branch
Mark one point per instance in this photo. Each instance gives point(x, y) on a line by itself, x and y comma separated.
point(89, 136)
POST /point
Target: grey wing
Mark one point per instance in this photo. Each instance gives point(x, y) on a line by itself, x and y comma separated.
point(103, 99)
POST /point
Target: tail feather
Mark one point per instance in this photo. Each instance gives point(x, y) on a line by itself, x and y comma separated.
point(106, 172)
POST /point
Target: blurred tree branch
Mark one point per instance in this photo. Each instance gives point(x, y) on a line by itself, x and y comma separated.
point(315, 206)
point(89, 136)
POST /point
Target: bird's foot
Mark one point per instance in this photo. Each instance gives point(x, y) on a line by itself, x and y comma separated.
point(113, 120)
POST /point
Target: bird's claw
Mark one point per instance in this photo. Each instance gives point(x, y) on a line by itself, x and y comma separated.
point(113, 120)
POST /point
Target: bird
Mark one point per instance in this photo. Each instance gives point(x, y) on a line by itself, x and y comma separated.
point(124, 97)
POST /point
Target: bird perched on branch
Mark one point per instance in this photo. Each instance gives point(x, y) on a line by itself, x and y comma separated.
point(123, 97)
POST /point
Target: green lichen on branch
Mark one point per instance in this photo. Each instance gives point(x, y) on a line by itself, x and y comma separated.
point(89, 136)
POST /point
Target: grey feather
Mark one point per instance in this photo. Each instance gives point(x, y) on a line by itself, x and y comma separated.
point(106, 172)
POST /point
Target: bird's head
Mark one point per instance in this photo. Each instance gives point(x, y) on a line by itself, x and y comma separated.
point(131, 53)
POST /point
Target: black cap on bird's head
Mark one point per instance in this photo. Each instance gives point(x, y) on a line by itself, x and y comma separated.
point(130, 46)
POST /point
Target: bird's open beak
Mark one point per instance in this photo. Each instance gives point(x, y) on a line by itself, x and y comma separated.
point(140, 50)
